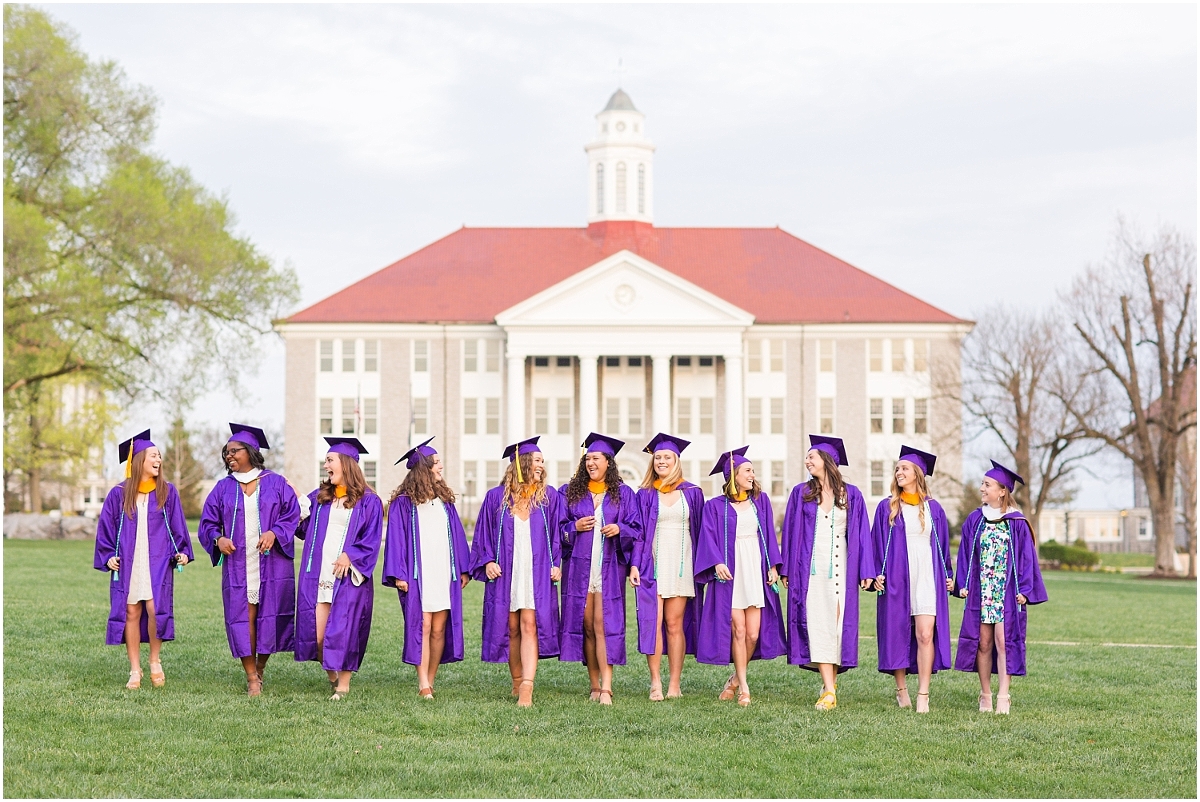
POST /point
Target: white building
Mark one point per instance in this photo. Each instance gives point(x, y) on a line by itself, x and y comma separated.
point(724, 336)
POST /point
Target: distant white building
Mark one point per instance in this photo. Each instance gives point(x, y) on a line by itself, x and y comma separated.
point(1102, 530)
point(723, 336)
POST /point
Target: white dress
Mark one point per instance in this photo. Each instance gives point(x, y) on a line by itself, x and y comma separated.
point(521, 591)
point(436, 573)
point(922, 592)
point(140, 584)
point(597, 568)
point(673, 550)
point(747, 569)
point(335, 540)
point(826, 598)
point(253, 529)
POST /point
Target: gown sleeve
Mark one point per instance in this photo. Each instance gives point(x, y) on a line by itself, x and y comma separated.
point(106, 530)
point(458, 538)
point(941, 530)
point(397, 551)
point(287, 518)
point(629, 518)
point(181, 539)
point(880, 528)
point(363, 550)
point(1029, 572)
point(966, 548)
point(768, 524)
point(557, 514)
point(483, 543)
point(307, 504)
point(791, 518)
point(209, 531)
point(709, 554)
point(862, 530)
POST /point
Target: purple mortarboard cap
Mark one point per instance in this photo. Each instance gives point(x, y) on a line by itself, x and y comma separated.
point(414, 455)
point(921, 459)
point(346, 445)
point(524, 447)
point(832, 446)
point(666, 442)
point(249, 435)
point(602, 444)
point(729, 461)
point(1004, 476)
point(138, 443)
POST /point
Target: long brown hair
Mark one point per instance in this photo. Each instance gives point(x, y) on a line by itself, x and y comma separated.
point(513, 489)
point(922, 491)
point(578, 488)
point(356, 484)
point(130, 491)
point(421, 484)
point(674, 478)
point(812, 488)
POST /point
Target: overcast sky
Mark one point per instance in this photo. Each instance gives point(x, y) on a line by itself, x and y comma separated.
point(967, 154)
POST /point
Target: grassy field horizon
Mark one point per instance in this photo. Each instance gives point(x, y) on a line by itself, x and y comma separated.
point(1090, 720)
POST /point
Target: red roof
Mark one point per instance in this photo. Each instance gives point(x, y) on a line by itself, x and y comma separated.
point(472, 275)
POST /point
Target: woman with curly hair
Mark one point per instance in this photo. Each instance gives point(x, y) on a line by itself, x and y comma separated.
point(341, 545)
point(516, 551)
point(603, 524)
point(427, 562)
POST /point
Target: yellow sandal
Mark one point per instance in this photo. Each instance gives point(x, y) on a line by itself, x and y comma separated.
point(828, 701)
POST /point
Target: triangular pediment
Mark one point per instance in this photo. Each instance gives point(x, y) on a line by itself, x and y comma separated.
point(624, 289)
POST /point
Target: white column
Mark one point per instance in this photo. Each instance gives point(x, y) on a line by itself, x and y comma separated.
point(661, 387)
point(734, 400)
point(516, 398)
point(588, 387)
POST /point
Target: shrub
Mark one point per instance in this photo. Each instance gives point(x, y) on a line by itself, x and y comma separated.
point(1067, 556)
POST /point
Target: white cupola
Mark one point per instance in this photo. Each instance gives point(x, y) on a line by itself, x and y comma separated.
point(620, 164)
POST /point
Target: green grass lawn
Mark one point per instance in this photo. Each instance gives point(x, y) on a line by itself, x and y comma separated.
point(1089, 721)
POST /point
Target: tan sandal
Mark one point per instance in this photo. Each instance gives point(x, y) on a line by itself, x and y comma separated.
point(729, 691)
point(985, 703)
point(603, 693)
point(254, 686)
point(922, 702)
point(425, 693)
point(594, 695)
point(906, 701)
point(157, 678)
point(744, 698)
point(827, 701)
point(135, 680)
point(525, 694)
point(1003, 701)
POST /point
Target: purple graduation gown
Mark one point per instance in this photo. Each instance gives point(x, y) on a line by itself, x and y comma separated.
point(646, 594)
point(1024, 577)
point(895, 630)
point(799, 523)
point(278, 513)
point(493, 542)
point(717, 537)
point(349, 625)
point(167, 535)
point(617, 555)
point(402, 563)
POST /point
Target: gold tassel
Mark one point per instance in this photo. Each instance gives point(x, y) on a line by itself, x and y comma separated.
point(517, 459)
point(129, 464)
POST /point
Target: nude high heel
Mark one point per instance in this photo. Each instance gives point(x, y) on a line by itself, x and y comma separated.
point(135, 680)
point(157, 678)
point(1003, 700)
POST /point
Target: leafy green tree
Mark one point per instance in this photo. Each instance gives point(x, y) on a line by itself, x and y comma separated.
point(181, 467)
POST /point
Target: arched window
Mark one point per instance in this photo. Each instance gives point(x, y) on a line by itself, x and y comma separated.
point(599, 189)
point(641, 189)
point(620, 187)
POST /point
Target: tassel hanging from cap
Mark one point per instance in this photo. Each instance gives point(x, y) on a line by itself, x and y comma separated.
point(517, 460)
point(129, 466)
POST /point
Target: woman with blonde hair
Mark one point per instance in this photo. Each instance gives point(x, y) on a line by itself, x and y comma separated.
point(341, 526)
point(428, 564)
point(912, 538)
point(998, 574)
point(516, 551)
point(662, 573)
point(140, 536)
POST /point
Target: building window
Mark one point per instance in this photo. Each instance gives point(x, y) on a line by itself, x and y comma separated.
point(564, 472)
point(541, 416)
point(420, 415)
point(826, 416)
point(370, 416)
point(876, 355)
point(470, 356)
point(492, 473)
point(826, 355)
point(876, 416)
point(368, 467)
point(1143, 531)
point(706, 414)
point(326, 356)
point(777, 478)
point(470, 415)
point(564, 416)
point(371, 356)
point(920, 355)
point(754, 362)
point(897, 416)
point(348, 415)
point(641, 189)
point(348, 355)
point(612, 361)
point(633, 361)
point(776, 416)
point(420, 356)
point(683, 415)
point(599, 189)
point(563, 361)
point(493, 356)
point(877, 478)
point(541, 363)
point(683, 361)
point(706, 362)
point(920, 416)
point(321, 475)
point(612, 415)
point(635, 416)
point(87, 495)
point(469, 475)
point(899, 363)
point(492, 407)
point(621, 187)
point(754, 411)
point(777, 356)
point(326, 409)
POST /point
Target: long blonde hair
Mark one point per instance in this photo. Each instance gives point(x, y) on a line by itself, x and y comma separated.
point(674, 477)
point(922, 491)
point(514, 492)
point(130, 491)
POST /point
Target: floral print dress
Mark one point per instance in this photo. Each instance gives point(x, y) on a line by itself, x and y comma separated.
point(993, 570)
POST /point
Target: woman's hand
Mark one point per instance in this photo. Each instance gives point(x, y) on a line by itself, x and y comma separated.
point(114, 563)
point(723, 572)
point(949, 585)
point(611, 530)
point(266, 541)
point(342, 566)
point(1021, 598)
point(181, 559)
point(635, 576)
point(783, 579)
point(464, 578)
point(879, 582)
point(586, 523)
point(772, 576)
point(493, 571)
point(962, 593)
point(225, 546)
point(867, 584)
point(555, 574)
point(401, 586)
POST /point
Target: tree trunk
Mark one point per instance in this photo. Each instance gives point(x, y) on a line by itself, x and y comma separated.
point(1164, 539)
point(35, 489)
